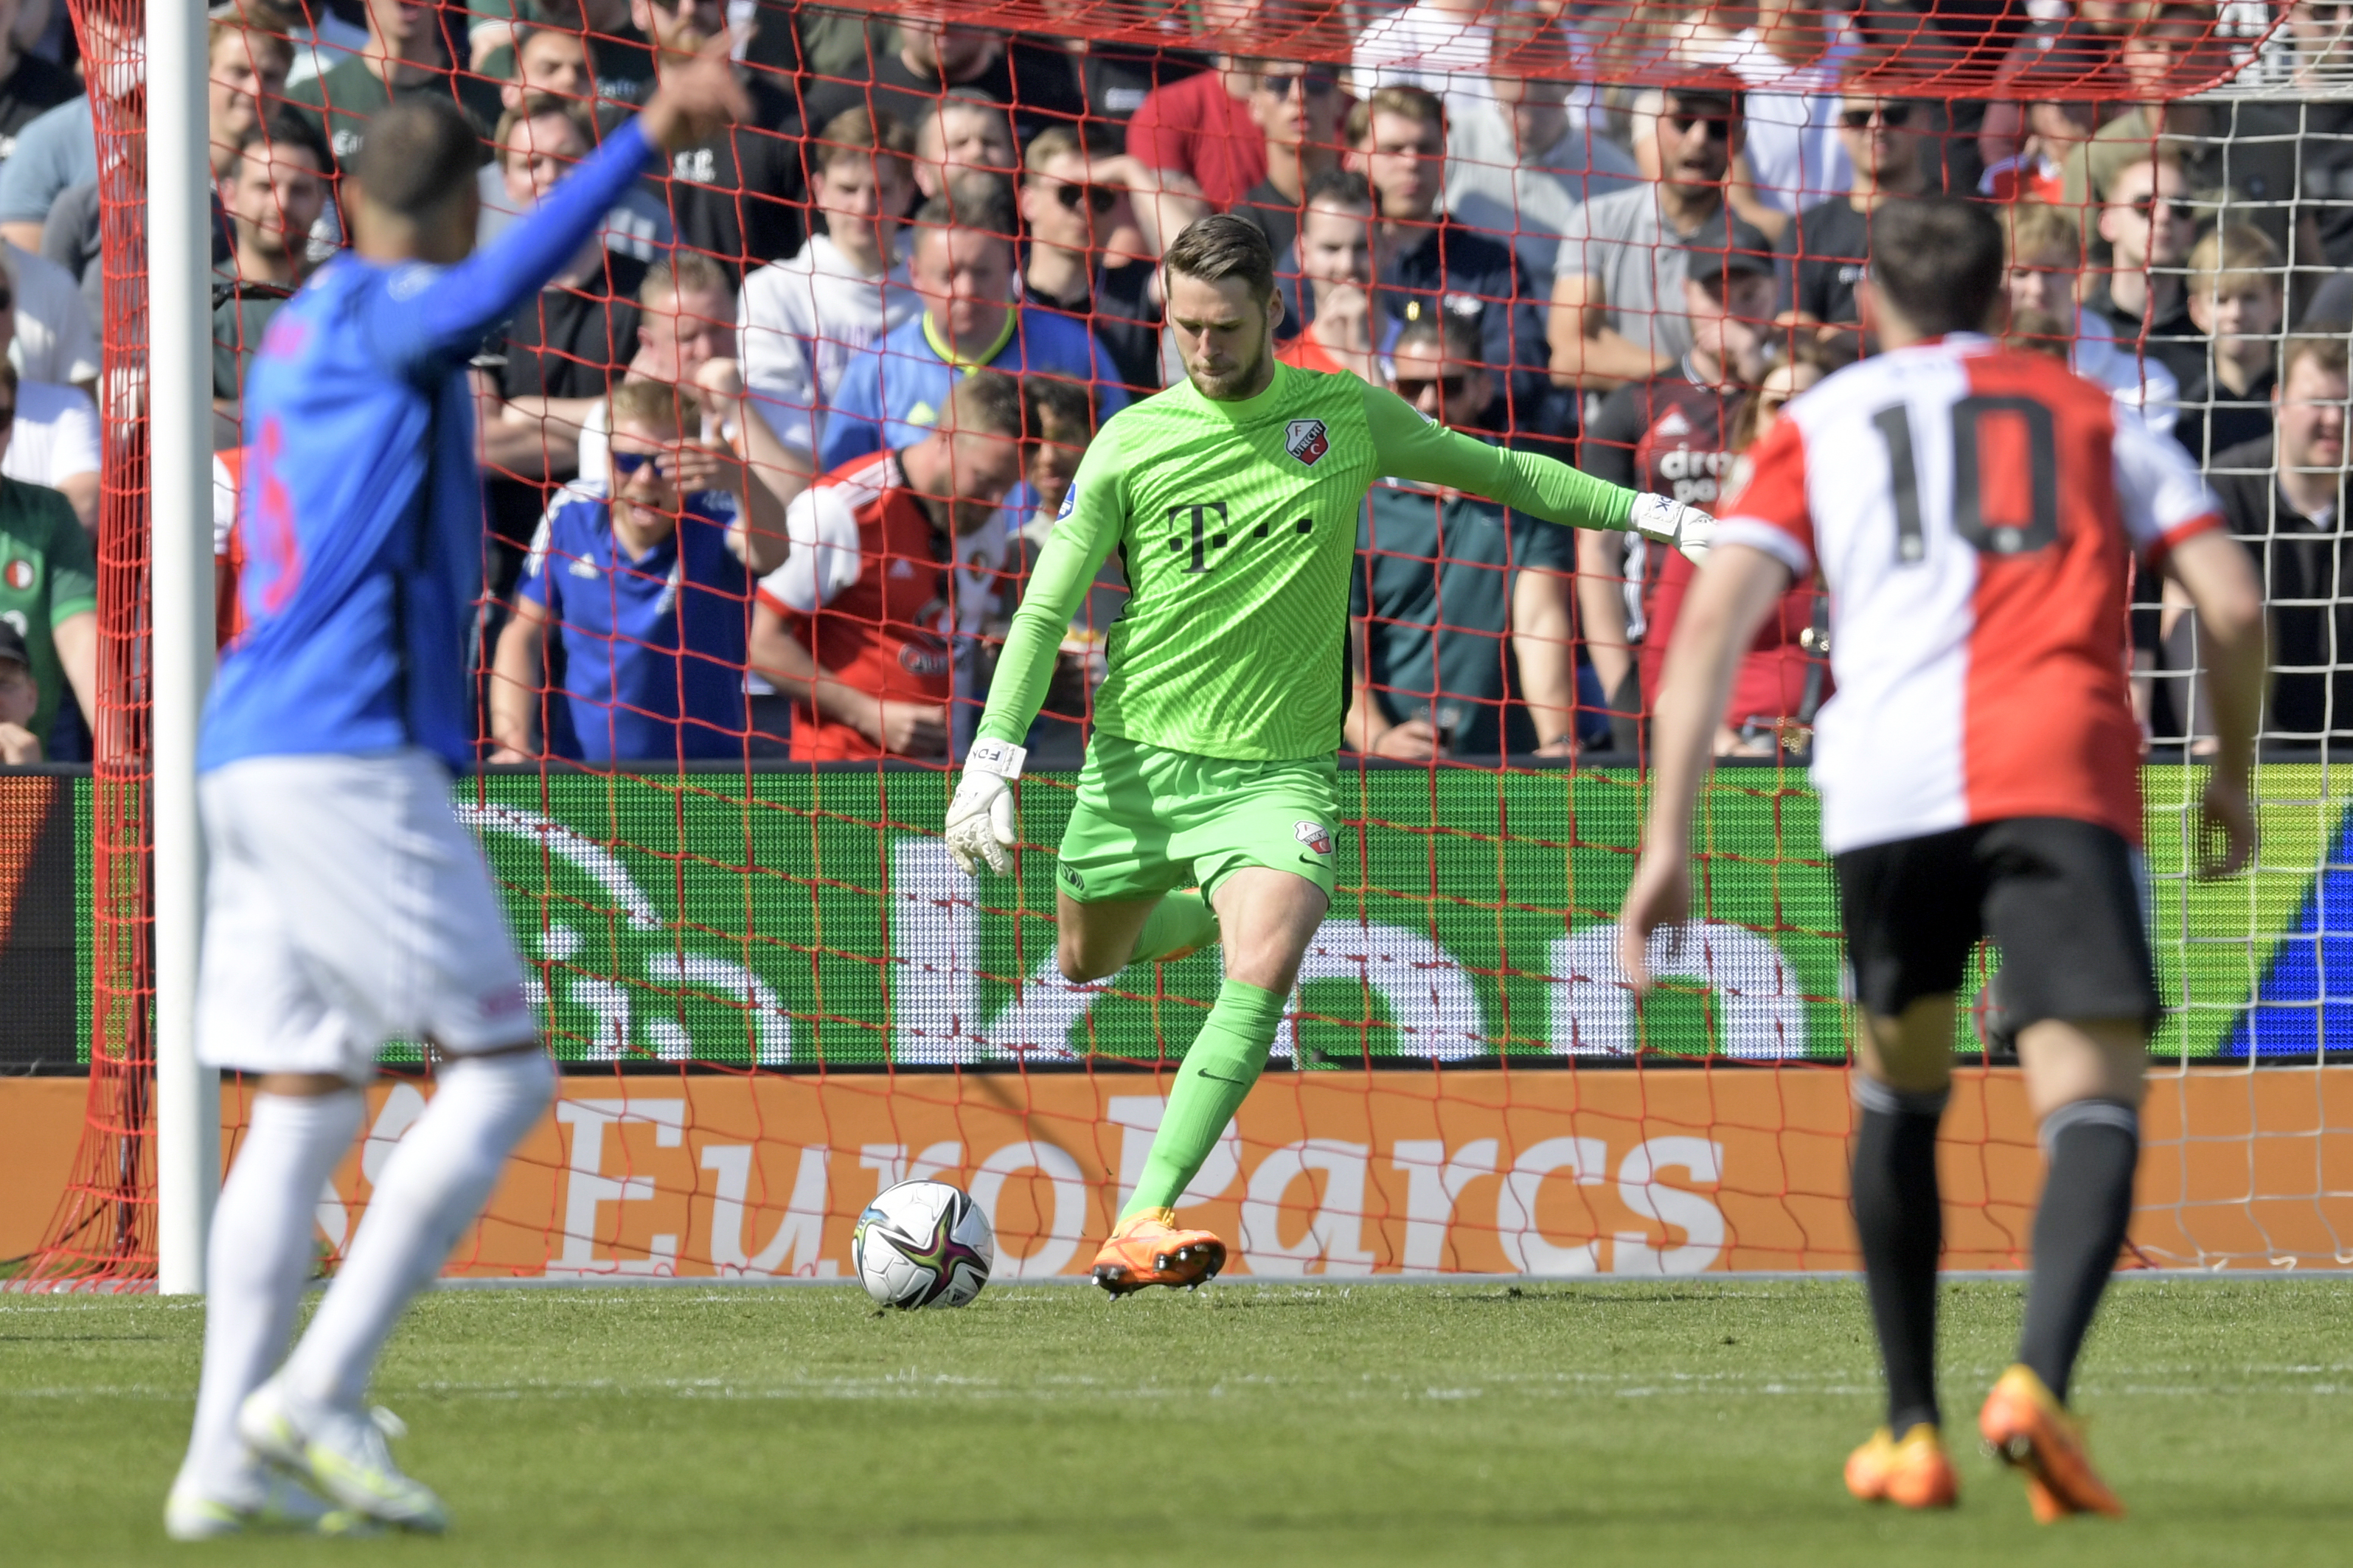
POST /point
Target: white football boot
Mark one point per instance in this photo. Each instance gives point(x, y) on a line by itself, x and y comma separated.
point(341, 1452)
point(280, 1505)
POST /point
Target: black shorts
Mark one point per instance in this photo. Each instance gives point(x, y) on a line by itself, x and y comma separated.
point(2062, 898)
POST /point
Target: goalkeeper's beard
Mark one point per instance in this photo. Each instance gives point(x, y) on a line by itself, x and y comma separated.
point(1245, 380)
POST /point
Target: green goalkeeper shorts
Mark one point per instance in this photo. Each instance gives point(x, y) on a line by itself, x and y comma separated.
point(1149, 821)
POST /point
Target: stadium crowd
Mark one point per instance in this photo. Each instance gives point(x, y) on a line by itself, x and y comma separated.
point(773, 458)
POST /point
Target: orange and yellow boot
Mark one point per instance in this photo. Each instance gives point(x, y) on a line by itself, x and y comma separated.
point(1910, 1471)
point(2025, 1425)
point(1148, 1250)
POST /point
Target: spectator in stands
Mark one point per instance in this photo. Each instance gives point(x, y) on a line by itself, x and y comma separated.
point(686, 323)
point(1061, 418)
point(275, 191)
point(1113, 78)
point(2286, 497)
point(1828, 245)
point(1619, 286)
point(2236, 295)
point(1397, 139)
point(935, 54)
point(859, 626)
point(2150, 225)
point(2054, 128)
point(539, 138)
point(29, 83)
point(964, 131)
point(53, 436)
point(409, 51)
point(49, 589)
point(1465, 644)
point(574, 338)
point(1789, 59)
point(736, 196)
point(962, 266)
point(1204, 127)
point(2046, 264)
point(1518, 164)
point(2228, 156)
point(1671, 433)
point(56, 339)
point(58, 149)
point(1088, 255)
point(1342, 251)
point(2318, 124)
point(248, 51)
point(805, 318)
point(644, 581)
point(600, 34)
point(1299, 110)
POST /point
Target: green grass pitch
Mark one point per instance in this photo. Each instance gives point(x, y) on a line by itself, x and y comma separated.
point(1671, 1422)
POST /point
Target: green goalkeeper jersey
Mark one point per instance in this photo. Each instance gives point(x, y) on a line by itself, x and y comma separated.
point(1237, 526)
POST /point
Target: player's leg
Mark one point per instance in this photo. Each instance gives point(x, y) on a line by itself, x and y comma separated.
point(256, 1012)
point(1095, 940)
point(2080, 986)
point(1910, 920)
point(439, 963)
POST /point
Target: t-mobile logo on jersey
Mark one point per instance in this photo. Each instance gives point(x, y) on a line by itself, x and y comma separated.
point(1306, 441)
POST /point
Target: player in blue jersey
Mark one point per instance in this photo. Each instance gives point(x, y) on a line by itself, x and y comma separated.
point(345, 906)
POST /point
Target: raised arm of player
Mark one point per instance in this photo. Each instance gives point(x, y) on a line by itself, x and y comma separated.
point(445, 317)
point(1413, 448)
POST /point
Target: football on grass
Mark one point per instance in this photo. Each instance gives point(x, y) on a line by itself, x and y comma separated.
point(922, 1244)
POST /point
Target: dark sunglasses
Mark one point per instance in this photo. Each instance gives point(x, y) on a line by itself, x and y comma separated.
point(1449, 387)
point(1099, 198)
point(2177, 206)
point(1719, 126)
point(627, 463)
point(8, 300)
point(1890, 114)
point(1315, 83)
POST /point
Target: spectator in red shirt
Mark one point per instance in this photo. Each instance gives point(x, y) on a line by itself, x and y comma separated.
point(858, 626)
point(1342, 249)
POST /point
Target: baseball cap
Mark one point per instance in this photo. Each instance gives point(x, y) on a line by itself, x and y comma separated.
point(1726, 244)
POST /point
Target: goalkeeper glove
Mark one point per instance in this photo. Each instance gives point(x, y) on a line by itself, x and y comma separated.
point(981, 824)
point(1686, 528)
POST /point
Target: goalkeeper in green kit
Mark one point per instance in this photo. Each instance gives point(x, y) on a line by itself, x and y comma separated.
point(1207, 808)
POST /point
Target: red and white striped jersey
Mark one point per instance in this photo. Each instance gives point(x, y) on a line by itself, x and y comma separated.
point(1975, 513)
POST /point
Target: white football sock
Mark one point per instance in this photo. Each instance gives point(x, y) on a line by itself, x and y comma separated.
point(259, 1258)
point(435, 1185)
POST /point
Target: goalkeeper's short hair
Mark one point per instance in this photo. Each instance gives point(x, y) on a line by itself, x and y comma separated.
point(1222, 246)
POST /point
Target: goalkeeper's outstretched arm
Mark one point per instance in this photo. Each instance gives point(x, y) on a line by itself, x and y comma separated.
point(1413, 448)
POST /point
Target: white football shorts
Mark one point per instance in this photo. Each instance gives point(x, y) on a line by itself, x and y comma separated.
point(344, 906)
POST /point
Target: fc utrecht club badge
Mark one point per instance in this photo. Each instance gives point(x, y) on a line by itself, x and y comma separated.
point(1312, 835)
point(1305, 440)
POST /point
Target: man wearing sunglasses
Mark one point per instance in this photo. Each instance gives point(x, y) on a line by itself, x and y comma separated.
point(2151, 227)
point(645, 582)
point(1829, 243)
point(1088, 256)
point(1617, 296)
point(1300, 109)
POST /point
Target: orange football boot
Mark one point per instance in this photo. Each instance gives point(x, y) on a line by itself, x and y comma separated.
point(1148, 1250)
point(2025, 1425)
point(1910, 1472)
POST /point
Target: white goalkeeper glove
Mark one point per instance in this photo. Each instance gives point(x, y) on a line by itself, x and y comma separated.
point(981, 824)
point(1686, 528)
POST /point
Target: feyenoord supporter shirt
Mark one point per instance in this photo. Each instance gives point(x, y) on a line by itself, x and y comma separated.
point(1975, 513)
point(1238, 523)
point(47, 574)
point(653, 646)
point(362, 507)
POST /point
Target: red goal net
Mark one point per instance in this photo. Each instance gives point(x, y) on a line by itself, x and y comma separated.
point(1623, 236)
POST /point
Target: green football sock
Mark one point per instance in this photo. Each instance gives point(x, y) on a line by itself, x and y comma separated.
point(1217, 1072)
point(1178, 923)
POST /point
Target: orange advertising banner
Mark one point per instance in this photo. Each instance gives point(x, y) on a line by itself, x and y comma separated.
point(1549, 1173)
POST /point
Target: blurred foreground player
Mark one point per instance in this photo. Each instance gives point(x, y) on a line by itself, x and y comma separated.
point(1975, 512)
point(1233, 498)
point(346, 906)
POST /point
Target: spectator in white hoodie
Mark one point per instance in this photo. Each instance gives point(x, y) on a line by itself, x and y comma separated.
point(806, 316)
point(2046, 257)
